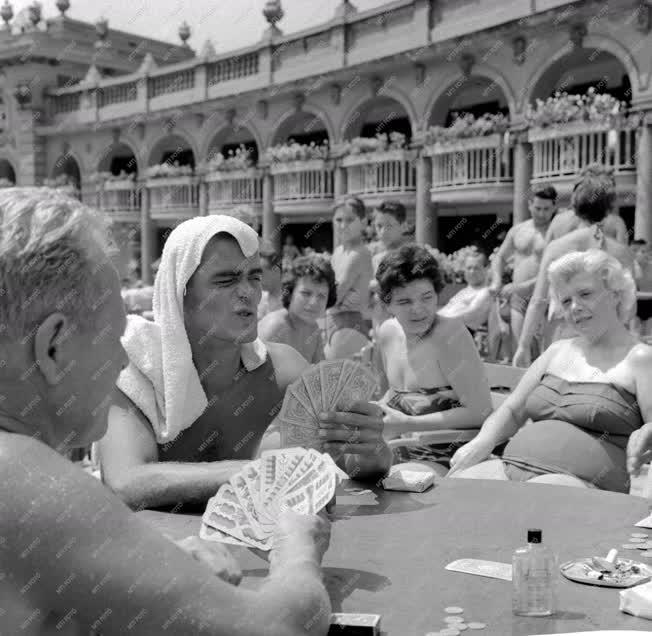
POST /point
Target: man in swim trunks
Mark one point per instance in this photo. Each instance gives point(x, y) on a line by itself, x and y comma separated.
point(524, 242)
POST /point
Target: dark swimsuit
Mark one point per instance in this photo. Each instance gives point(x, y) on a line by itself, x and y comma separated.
point(577, 428)
point(421, 402)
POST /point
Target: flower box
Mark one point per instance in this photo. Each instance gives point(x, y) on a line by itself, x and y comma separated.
point(232, 175)
point(122, 184)
point(316, 165)
point(158, 182)
point(378, 157)
point(462, 145)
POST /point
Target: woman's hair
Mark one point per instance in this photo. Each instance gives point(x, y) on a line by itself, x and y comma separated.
point(353, 203)
point(613, 275)
point(406, 264)
point(594, 197)
point(315, 267)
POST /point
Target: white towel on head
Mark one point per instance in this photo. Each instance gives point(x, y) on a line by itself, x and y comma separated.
point(161, 378)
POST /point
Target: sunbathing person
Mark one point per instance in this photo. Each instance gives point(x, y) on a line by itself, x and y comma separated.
point(593, 198)
point(74, 559)
point(435, 374)
point(201, 389)
point(582, 413)
point(308, 288)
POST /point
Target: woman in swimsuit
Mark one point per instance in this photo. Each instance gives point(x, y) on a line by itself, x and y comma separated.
point(436, 377)
point(582, 413)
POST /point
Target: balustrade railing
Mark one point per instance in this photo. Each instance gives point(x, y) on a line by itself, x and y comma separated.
point(381, 173)
point(302, 180)
point(122, 197)
point(174, 196)
point(171, 82)
point(238, 187)
point(232, 68)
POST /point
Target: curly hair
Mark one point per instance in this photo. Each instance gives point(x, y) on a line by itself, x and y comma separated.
point(406, 264)
point(315, 267)
point(597, 262)
point(594, 196)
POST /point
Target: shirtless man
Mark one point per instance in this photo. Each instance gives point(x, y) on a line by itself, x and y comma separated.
point(434, 372)
point(73, 558)
point(243, 387)
point(346, 327)
point(593, 199)
point(525, 243)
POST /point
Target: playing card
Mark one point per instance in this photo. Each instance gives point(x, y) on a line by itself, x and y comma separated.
point(491, 569)
point(330, 373)
point(211, 534)
point(262, 528)
point(311, 378)
point(295, 410)
point(645, 523)
point(347, 369)
point(299, 391)
point(293, 434)
point(286, 463)
point(359, 387)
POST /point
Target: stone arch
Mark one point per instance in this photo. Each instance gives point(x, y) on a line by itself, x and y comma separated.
point(385, 102)
point(7, 172)
point(308, 113)
point(68, 164)
point(174, 143)
point(565, 53)
point(121, 149)
point(457, 89)
point(232, 135)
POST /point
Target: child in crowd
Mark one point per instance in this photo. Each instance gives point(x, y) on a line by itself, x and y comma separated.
point(307, 290)
point(346, 328)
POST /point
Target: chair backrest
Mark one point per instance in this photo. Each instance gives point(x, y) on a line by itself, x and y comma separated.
point(502, 381)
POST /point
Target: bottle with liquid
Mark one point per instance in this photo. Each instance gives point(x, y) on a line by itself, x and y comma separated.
point(533, 575)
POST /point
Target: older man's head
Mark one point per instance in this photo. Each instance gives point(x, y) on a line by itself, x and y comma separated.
point(61, 318)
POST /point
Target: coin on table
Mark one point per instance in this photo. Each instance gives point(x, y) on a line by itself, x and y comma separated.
point(454, 610)
point(451, 620)
point(477, 625)
point(639, 535)
point(629, 546)
point(449, 631)
point(637, 540)
point(461, 626)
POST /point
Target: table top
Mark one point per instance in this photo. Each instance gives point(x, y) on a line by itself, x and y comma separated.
point(389, 549)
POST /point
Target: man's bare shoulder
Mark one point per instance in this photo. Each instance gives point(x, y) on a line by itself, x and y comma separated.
point(288, 363)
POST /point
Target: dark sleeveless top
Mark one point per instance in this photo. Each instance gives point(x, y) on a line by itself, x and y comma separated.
point(577, 428)
point(234, 422)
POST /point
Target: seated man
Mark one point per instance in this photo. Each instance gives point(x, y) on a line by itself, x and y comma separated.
point(201, 389)
point(435, 375)
point(74, 559)
point(471, 305)
point(308, 289)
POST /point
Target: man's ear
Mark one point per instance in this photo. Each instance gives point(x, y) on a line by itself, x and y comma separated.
point(47, 346)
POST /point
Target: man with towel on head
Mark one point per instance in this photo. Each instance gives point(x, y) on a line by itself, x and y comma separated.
point(73, 558)
point(201, 389)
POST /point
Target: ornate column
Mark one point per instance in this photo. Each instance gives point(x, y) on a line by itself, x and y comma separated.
point(203, 198)
point(426, 230)
point(643, 214)
point(146, 238)
point(271, 229)
point(522, 177)
point(339, 192)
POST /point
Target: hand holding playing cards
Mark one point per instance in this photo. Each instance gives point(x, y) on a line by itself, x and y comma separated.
point(215, 555)
point(639, 448)
point(357, 431)
point(395, 422)
point(472, 453)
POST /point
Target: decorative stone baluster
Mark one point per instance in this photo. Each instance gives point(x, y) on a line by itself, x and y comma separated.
point(643, 218)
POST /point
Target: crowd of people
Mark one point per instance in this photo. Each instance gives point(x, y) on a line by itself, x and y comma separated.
point(179, 401)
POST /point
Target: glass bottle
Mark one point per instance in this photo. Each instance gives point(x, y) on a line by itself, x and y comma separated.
point(533, 572)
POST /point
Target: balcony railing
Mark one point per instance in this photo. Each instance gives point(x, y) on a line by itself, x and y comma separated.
point(173, 197)
point(118, 94)
point(563, 151)
point(119, 198)
point(381, 173)
point(302, 181)
point(472, 161)
point(171, 82)
point(232, 68)
point(236, 187)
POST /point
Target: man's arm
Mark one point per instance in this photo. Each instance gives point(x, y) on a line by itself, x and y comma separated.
point(82, 553)
point(478, 311)
point(130, 466)
point(498, 265)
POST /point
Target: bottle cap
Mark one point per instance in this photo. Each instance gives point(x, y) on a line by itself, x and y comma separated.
point(534, 535)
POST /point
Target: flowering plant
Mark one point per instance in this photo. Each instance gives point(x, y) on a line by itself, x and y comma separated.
point(6, 183)
point(166, 170)
point(60, 181)
point(562, 108)
point(293, 151)
point(467, 125)
point(238, 159)
point(380, 143)
point(102, 177)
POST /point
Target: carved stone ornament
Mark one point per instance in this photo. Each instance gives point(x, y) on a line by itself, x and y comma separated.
point(184, 33)
point(115, 134)
point(6, 13)
point(140, 129)
point(644, 18)
point(419, 73)
point(208, 50)
point(299, 100)
point(467, 61)
point(376, 84)
point(577, 35)
point(336, 94)
point(519, 46)
point(200, 118)
point(229, 115)
point(262, 108)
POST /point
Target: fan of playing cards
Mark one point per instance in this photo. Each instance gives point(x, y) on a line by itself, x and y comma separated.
point(245, 511)
point(328, 386)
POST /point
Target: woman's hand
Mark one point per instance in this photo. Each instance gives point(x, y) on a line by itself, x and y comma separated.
point(215, 555)
point(395, 422)
point(639, 448)
point(521, 358)
point(472, 453)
